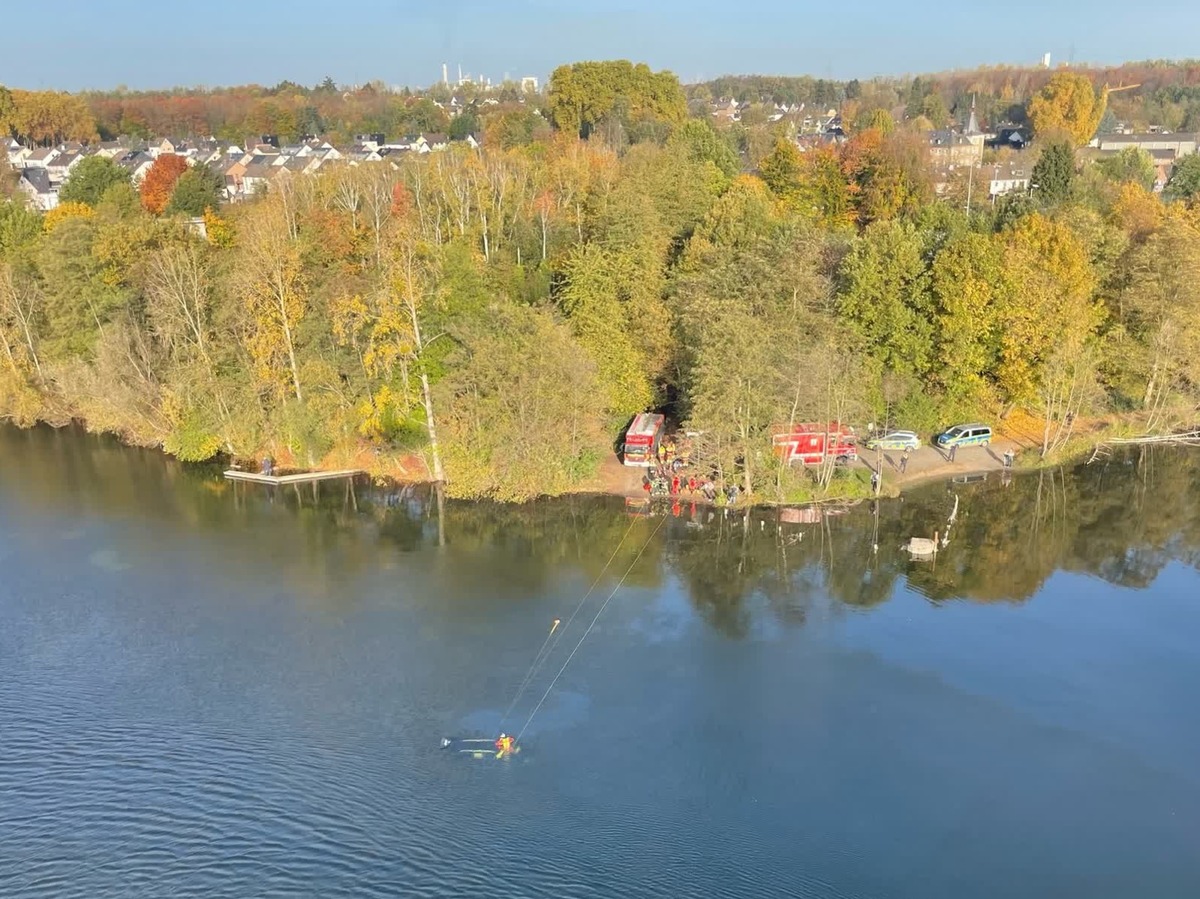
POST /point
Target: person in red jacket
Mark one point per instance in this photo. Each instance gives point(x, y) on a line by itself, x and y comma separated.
point(504, 745)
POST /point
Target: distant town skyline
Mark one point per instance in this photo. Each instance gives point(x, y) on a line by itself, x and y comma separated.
point(401, 42)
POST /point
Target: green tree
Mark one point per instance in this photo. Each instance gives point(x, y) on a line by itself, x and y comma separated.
point(90, 178)
point(781, 170)
point(884, 295)
point(1184, 183)
point(520, 417)
point(748, 322)
point(198, 189)
point(82, 297)
point(967, 280)
point(464, 124)
point(1054, 171)
point(582, 95)
point(20, 226)
point(933, 107)
point(1131, 164)
point(701, 143)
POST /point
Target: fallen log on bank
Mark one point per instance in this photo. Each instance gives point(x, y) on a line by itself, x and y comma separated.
point(1183, 438)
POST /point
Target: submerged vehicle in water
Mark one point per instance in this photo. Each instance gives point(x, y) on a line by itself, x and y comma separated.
point(478, 747)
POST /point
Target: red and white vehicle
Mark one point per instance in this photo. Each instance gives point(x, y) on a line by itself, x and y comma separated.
point(642, 439)
point(812, 444)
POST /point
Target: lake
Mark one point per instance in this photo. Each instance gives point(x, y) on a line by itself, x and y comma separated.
point(220, 690)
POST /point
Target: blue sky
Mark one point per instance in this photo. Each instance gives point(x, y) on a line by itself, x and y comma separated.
point(104, 43)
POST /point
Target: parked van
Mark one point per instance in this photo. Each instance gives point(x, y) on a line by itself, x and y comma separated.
point(965, 435)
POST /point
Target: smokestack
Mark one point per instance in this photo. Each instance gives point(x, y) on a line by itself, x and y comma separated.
point(1045, 60)
point(445, 74)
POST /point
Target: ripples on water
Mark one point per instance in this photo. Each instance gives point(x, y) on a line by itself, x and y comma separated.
point(210, 693)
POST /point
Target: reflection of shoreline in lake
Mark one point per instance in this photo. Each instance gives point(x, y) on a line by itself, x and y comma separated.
point(1121, 520)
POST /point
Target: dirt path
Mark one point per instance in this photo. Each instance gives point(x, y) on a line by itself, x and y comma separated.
point(930, 463)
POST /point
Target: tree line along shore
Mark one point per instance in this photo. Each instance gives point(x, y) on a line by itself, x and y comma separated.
point(492, 318)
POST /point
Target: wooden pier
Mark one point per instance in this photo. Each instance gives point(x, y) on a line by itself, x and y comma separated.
point(304, 477)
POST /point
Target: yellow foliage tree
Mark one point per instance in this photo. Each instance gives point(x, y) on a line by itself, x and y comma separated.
point(1068, 104)
point(217, 230)
point(1048, 301)
point(270, 282)
point(1137, 211)
point(64, 211)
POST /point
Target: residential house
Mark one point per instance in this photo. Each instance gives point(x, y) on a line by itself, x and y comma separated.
point(17, 154)
point(1009, 137)
point(1007, 177)
point(136, 162)
point(951, 148)
point(110, 149)
point(35, 184)
point(726, 112)
point(988, 181)
point(40, 157)
point(258, 177)
point(166, 145)
point(300, 165)
point(60, 166)
point(363, 153)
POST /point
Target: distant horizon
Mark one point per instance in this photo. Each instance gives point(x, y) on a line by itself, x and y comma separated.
point(401, 42)
point(543, 78)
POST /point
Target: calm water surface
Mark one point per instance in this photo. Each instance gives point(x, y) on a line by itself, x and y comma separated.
point(219, 691)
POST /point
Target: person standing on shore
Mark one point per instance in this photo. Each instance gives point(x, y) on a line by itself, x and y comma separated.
point(953, 450)
point(904, 459)
point(1008, 458)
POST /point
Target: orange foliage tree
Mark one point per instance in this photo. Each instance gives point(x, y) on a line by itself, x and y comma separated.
point(159, 182)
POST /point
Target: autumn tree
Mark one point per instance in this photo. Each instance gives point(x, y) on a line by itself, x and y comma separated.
point(1067, 105)
point(50, 117)
point(583, 94)
point(8, 109)
point(180, 311)
point(1163, 299)
point(1047, 302)
point(270, 280)
point(967, 282)
point(71, 209)
point(1137, 211)
point(160, 181)
point(812, 184)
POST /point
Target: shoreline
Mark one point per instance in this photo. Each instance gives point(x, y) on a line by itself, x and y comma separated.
point(926, 465)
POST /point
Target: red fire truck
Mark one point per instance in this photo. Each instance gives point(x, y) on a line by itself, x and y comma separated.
point(811, 444)
point(642, 439)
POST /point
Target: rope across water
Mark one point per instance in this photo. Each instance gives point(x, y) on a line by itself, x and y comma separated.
point(596, 618)
point(544, 654)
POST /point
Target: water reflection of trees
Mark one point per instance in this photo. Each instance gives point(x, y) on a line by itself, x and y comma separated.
point(1122, 520)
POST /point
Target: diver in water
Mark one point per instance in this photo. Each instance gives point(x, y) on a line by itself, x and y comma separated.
point(504, 745)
